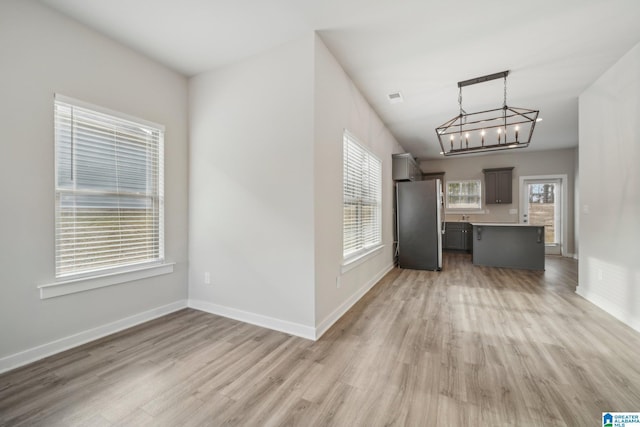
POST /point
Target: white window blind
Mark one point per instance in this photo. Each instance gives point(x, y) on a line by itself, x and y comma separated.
point(362, 186)
point(109, 189)
point(464, 194)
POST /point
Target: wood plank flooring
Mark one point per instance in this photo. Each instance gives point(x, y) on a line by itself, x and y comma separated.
point(469, 346)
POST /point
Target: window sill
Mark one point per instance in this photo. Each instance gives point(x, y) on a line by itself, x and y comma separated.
point(72, 286)
point(355, 261)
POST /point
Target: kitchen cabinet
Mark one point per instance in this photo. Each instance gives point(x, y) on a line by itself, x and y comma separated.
point(458, 236)
point(405, 168)
point(508, 245)
point(497, 185)
point(433, 175)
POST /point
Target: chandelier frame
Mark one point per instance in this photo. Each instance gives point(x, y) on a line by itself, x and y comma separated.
point(466, 127)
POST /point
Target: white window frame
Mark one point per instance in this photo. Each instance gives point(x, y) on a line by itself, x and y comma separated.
point(476, 208)
point(364, 247)
point(91, 275)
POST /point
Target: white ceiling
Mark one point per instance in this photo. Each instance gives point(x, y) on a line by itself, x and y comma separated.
point(553, 48)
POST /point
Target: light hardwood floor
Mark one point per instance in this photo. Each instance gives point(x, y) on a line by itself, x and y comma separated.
point(466, 346)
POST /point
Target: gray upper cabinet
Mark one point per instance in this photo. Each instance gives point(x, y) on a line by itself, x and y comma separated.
point(405, 168)
point(498, 185)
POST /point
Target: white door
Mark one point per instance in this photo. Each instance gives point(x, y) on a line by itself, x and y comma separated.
point(542, 205)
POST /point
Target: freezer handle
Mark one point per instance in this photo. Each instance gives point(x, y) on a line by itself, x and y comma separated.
point(395, 184)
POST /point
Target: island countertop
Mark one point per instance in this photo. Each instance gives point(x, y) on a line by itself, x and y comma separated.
point(503, 224)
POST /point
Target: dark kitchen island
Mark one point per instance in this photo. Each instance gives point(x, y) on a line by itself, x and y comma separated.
point(508, 245)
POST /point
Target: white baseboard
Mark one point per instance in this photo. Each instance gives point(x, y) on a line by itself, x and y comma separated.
point(36, 353)
point(332, 318)
point(285, 326)
point(630, 319)
point(304, 331)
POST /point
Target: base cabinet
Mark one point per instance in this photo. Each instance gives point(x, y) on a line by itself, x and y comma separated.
point(458, 236)
point(509, 246)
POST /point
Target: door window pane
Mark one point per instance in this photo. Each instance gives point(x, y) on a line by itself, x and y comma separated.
point(542, 209)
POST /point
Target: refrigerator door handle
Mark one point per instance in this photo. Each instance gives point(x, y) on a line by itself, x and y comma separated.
point(440, 219)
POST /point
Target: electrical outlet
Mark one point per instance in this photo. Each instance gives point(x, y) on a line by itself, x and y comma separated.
point(338, 284)
point(207, 278)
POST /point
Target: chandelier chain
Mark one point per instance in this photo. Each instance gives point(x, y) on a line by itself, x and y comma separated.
point(504, 104)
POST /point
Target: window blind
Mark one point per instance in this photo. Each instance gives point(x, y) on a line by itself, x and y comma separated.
point(362, 185)
point(464, 194)
point(109, 189)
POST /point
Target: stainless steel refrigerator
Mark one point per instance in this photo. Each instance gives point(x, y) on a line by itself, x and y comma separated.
point(419, 219)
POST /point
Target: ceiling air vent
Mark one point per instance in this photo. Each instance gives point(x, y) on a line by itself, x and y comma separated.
point(395, 98)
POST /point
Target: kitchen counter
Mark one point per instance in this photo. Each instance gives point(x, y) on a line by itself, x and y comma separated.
point(509, 245)
point(504, 224)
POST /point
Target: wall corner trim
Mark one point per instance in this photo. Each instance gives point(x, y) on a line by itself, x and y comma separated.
point(40, 352)
point(334, 316)
point(292, 328)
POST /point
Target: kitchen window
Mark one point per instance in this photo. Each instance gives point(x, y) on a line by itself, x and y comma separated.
point(362, 199)
point(464, 195)
point(109, 201)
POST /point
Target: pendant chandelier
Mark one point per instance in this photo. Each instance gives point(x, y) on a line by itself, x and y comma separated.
point(498, 129)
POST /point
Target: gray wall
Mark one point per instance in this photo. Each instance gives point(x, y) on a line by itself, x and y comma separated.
point(265, 217)
point(610, 190)
point(43, 52)
point(251, 188)
point(339, 105)
point(525, 163)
